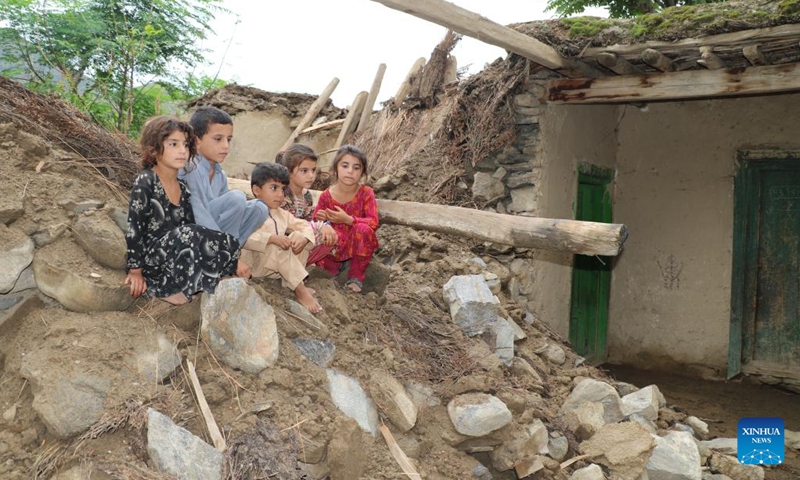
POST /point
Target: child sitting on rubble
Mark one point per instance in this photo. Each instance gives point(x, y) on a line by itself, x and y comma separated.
point(269, 252)
point(301, 161)
point(168, 256)
point(215, 205)
point(353, 212)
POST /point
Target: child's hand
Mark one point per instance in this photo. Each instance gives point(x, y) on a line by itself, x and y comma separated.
point(322, 215)
point(329, 236)
point(339, 216)
point(298, 244)
point(242, 270)
point(136, 281)
point(281, 241)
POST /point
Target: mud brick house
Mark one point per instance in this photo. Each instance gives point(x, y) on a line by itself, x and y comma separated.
point(683, 126)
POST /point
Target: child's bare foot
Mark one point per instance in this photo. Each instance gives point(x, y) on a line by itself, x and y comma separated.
point(176, 299)
point(306, 299)
point(354, 284)
point(311, 291)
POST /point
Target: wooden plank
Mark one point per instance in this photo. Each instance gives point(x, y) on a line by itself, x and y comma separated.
point(476, 26)
point(753, 55)
point(585, 238)
point(405, 87)
point(772, 369)
point(756, 35)
point(312, 113)
point(684, 85)
point(366, 112)
point(709, 59)
point(398, 454)
point(211, 424)
point(349, 125)
point(323, 126)
point(657, 60)
point(617, 64)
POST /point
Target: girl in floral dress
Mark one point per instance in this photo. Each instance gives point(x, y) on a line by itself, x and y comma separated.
point(351, 209)
point(169, 257)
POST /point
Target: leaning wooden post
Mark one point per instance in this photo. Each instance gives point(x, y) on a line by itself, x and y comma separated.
point(405, 87)
point(353, 116)
point(366, 113)
point(312, 112)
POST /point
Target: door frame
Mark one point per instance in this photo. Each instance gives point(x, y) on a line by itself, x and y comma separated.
point(745, 216)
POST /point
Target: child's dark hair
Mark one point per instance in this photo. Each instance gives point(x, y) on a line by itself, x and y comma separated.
point(266, 171)
point(205, 116)
point(293, 156)
point(349, 150)
point(155, 131)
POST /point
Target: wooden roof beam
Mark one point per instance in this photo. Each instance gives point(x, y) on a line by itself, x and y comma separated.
point(753, 55)
point(709, 59)
point(685, 85)
point(476, 26)
point(617, 64)
point(657, 60)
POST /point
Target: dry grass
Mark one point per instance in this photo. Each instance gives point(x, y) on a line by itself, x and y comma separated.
point(263, 452)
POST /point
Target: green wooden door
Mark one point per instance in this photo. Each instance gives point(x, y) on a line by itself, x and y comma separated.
point(591, 275)
point(767, 268)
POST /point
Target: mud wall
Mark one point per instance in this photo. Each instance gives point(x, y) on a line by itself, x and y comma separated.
point(670, 293)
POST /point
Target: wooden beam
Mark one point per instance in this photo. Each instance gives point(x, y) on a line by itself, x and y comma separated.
point(585, 238)
point(709, 59)
point(312, 113)
point(753, 55)
point(323, 126)
point(657, 60)
point(405, 87)
point(476, 26)
point(349, 125)
point(686, 85)
point(757, 35)
point(617, 64)
point(366, 112)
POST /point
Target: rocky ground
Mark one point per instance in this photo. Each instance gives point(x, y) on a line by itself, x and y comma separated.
point(466, 381)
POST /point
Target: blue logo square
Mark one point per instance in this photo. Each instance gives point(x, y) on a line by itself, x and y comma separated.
point(760, 441)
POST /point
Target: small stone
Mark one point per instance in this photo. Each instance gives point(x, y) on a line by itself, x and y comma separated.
point(700, 427)
point(558, 447)
point(555, 354)
point(592, 472)
point(472, 305)
point(477, 414)
point(318, 352)
point(643, 402)
point(176, 451)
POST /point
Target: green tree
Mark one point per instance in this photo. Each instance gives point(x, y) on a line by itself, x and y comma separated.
point(618, 8)
point(103, 55)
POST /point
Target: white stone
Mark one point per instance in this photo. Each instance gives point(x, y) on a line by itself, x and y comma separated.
point(643, 402)
point(592, 472)
point(590, 390)
point(555, 354)
point(700, 427)
point(486, 187)
point(16, 253)
point(239, 326)
point(176, 451)
point(478, 414)
point(676, 457)
point(523, 199)
point(722, 445)
point(350, 398)
point(394, 400)
point(648, 425)
point(472, 305)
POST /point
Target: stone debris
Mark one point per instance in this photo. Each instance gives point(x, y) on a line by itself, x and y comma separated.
point(643, 402)
point(592, 472)
point(478, 414)
point(585, 420)
point(101, 238)
point(347, 457)
point(350, 398)
point(11, 207)
point(622, 447)
point(318, 352)
point(155, 359)
point(239, 326)
point(590, 390)
point(472, 305)
point(393, 399)
point(500, 337)
point(176, 451)
point(731, 467)
point(558, 448)
point(526, 445)
point(16, 253)
point(721, 445)
point(555, 354)
point(648, 425)
point(676, 457)
point(487, 187)
point(791, 439)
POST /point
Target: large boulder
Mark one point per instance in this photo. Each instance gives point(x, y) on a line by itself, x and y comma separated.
point(478, 414)
point(16, 253)
point(101, 238)
point(676, 457)
point(623, 447)
point(239, 326)
point(643, 402)
point(590, 390)
point(394, 400)
point(176, 451)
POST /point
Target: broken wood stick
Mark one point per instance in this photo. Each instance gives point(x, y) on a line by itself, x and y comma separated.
point(312, 112)
point(398, 454)
point(211, 424)
point(366, 112)
point(350, 123)
point(405, 87)
point(323, 126)
point(574, 236)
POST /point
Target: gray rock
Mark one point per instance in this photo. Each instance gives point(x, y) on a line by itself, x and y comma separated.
point(176, 451)
point(523, 199)
point(585, 420)
point(478, 414)
point(558, 447)
point(119, 216)
point(500, 338)
point(623, 447)
point(350, 398)
point(676, 457)
point(11, 207)
point(25, 281)
point(155, 359)
point(700, 427)
point(394, 400)
point(318, 352)
point(722, 445)
point(590, 390)
point(422, 395)
point(239, 326)
point(643, 402)
point(101, 238)
point(80, 206)
point(478, 261)
point(731, 467)
point(480, 472)
point(555, 354)
point(592, 472)
point(486, 187)
point(522, 179)
point(626, 388)
point(48, 234)
point(648, 425)
point(472, 305)
point(16, 253)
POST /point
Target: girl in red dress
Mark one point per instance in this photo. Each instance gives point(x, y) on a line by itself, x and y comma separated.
point(351, 209)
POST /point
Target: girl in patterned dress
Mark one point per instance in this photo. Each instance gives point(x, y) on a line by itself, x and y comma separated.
point(301, 161)
point(169, 257)
point(351, 209)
